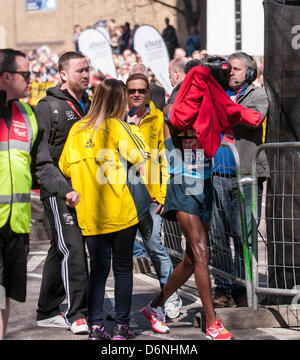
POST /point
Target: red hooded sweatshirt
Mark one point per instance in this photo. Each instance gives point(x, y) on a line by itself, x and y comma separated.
point(203, 105)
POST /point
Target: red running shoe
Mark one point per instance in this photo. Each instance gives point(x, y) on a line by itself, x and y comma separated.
point(217, 331)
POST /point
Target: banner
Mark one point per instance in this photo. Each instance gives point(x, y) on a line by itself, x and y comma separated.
point(105, 33)
point(38, 91)
point(95, 46)
point(40, 5)
point(282, 82)
point(149, 44)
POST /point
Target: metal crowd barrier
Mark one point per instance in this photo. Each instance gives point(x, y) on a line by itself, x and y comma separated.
point(236, 268)
point(276, 241)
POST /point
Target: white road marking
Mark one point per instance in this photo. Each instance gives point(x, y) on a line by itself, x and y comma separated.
point(37, 253)
point(34, 262)
point(39, 276)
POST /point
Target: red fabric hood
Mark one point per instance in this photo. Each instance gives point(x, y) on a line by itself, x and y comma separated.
point(203, 105)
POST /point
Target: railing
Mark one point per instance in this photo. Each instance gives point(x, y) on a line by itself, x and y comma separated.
point(276, 242)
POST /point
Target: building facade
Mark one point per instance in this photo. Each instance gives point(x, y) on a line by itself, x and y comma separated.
point(29, 29)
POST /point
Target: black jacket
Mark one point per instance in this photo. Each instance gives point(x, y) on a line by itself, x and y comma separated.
point(158, 96)
point(173, 94)
point(56, 131)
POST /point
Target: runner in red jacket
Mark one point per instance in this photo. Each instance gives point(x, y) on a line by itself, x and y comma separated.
point(203, 105)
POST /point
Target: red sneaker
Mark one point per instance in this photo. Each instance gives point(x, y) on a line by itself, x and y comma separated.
point(217, 331)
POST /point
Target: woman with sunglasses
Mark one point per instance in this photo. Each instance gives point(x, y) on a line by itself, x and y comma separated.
point(95, 157)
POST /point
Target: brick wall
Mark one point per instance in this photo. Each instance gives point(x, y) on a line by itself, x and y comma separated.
point(30, 29)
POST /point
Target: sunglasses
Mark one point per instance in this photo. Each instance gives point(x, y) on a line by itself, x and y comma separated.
point(140, 91)
point(25, 74)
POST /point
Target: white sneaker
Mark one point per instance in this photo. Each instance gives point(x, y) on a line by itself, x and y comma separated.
point(80, 326)
point(55, 321)
point(172, 309)
point(157, 318)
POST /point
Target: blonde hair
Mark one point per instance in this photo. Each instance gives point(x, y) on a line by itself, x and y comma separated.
point(110, 101)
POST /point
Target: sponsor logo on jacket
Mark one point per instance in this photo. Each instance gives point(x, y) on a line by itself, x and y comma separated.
point(70, 115)
point(68, 219)
point(89, 144)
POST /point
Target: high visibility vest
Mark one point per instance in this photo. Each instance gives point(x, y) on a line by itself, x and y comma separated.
point(15, 176)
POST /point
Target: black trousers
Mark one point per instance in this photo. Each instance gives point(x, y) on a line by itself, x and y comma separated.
point(118, 247)
point(14, 249)
point(65, 272)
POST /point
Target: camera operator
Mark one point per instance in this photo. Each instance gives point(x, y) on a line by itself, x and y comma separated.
point(226, 223)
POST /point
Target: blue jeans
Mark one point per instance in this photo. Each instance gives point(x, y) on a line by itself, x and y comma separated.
point(226, 224)
point(119, 247)
point(157, 252)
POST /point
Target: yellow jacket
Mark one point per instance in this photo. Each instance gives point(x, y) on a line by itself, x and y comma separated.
point(155, 171)
point(96, 162)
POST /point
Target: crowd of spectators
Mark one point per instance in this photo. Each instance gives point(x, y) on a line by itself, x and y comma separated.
point(44, 69)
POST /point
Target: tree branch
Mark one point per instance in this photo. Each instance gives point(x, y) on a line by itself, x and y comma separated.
point(170, 6)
